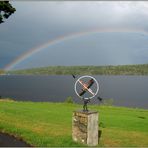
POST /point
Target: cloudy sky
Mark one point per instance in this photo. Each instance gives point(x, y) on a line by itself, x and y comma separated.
point(74, 33)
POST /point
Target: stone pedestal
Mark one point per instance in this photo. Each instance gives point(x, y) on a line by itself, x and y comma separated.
point(85, 127)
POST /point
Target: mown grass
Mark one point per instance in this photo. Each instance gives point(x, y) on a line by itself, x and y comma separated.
point(50, 124)
point(88, 70)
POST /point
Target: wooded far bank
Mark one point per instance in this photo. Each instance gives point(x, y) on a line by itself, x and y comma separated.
point(86, 70)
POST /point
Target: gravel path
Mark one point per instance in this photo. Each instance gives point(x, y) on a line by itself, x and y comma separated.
point(10, 141)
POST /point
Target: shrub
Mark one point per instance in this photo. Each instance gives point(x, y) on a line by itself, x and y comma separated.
point(69, 100)
point(108, 102)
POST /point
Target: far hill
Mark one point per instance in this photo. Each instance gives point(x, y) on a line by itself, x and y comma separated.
point(83, 70)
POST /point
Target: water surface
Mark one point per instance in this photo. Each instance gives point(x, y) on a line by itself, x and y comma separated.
point(131, 91)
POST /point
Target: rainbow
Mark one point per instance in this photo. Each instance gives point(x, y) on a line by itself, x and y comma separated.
point(57, 40)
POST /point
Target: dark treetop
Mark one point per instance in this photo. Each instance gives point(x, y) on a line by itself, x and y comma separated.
point(6, 10)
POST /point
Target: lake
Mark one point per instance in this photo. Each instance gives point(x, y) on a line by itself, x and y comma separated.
point(130, 91)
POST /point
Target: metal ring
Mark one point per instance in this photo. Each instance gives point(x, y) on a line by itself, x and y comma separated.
point(82, 78)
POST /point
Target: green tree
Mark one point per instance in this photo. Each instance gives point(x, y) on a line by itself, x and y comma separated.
point(6, 10)
point(108, 102)
point(69, 100)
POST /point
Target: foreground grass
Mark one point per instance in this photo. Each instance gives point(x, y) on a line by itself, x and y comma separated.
point(88, 70)
point(50, 124)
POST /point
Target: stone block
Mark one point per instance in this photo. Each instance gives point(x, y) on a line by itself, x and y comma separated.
point(85, 127)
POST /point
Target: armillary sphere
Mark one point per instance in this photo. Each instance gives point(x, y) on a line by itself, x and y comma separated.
point(86, 88)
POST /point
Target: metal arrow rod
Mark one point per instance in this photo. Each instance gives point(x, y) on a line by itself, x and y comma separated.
point(85, 87)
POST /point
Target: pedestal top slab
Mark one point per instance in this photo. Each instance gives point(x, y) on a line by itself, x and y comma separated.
point(86, 112)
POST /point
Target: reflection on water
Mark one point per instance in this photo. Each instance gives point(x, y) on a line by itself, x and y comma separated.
point(124, 90)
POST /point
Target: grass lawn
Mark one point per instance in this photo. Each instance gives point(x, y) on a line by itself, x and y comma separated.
point(50, 124)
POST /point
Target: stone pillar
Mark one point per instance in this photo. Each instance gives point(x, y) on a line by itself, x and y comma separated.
point(85, 127)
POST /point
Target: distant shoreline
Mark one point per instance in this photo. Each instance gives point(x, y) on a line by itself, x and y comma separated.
point(141, 69)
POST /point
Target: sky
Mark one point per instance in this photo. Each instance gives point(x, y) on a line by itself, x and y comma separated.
point(42, 33)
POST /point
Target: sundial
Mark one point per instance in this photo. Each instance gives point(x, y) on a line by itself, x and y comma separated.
point(86, 87)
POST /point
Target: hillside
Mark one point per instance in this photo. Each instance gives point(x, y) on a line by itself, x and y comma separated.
point(89, 70)
point(50, 124)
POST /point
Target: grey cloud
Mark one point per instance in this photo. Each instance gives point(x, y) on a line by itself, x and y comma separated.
point(36, 22)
